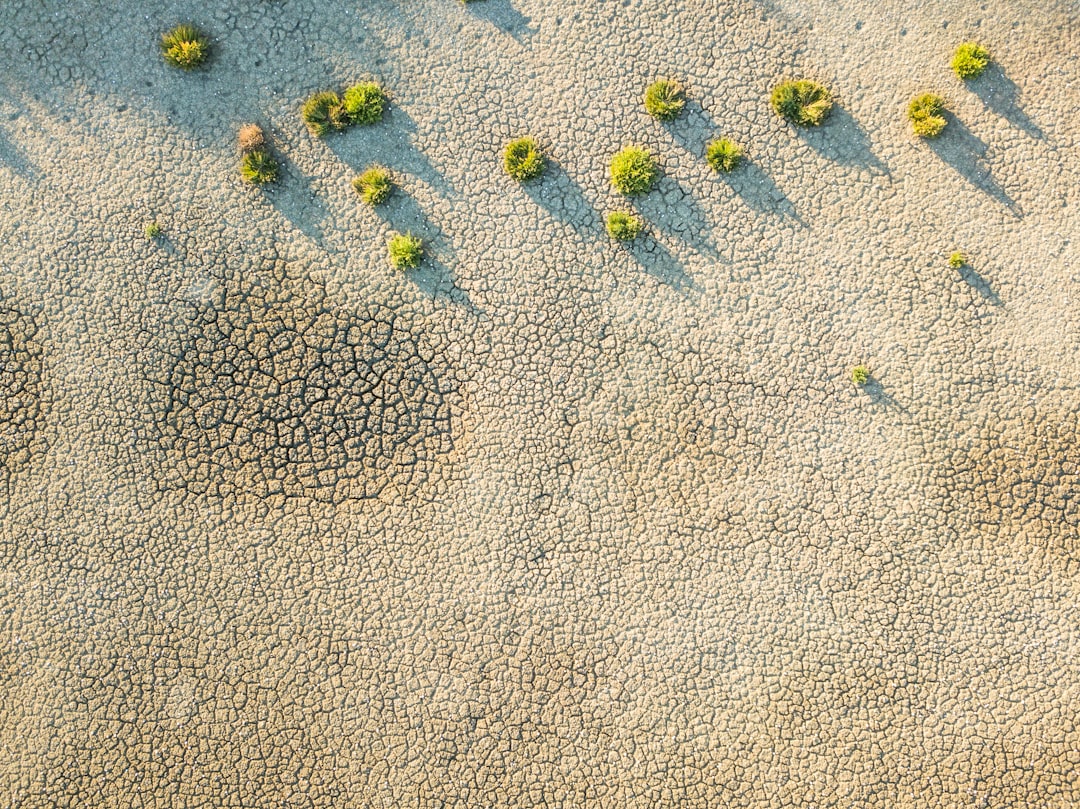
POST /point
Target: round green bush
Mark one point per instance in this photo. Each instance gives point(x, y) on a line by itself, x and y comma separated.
point(374, 185)
point(258, 167)
point(665, 99)
point(405, 251)
point(633, 171)
point(924, 112)
point(623, 226)
point(324, 112)
point(185, 47)
point(957, 260)
point(970, 60)
point(523, 159)
point(723, 154)
point(860, 375)
point(802, 102)
point(364, 103)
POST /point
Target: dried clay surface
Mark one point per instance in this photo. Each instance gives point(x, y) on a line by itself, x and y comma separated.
point(547, 521)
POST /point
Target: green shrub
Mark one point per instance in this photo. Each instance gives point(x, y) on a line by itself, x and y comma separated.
point(723, 154)
point(924, 112)
point(258, 167)
point(633, 171)
point(860, 375)
point(152, 230)
point(802, 102)
point(970, 60)
point(665, 99)
point(523, 159)
point(405, 251)
point(324, 112)
point(957, 260)
point(374, 185)
point(623, 226)
point(364, 103)
point(185, 47)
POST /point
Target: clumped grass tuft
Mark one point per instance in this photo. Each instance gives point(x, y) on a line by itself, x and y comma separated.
point(374, 185)
point(405, 251)
point(364, 103)
point(258, 167)
point(957, 260)
point(665, 99)
point(324, 112)
point(970, 60)
point(523, 159)
point(623, 226)
point(250, 137)
point(185, 47)
point(860, 375)
point(633, 171)
point(723, 154)
point(802, 102)
point(153, 230)
point(924, 112)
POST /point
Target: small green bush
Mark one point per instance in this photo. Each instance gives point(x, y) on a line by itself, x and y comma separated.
point(970, 60)
point(405, 251)
point(364, 103)
point(523, 159)
point(924, 112)
point(860, 375)
point(258, 167)
point(324, 112)
point(802, 102)
point(152, 230)
point(957, 260)
point(623, 226)
point(723, 154)
point(185, 47)
point(374, 185)
point(665, 99)
point(633, 171)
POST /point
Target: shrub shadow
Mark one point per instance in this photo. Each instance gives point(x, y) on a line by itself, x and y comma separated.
point(842, 140)
point(962, 149)
point(561, 196)
point(693, 129)
point(972, 278)
point(12, 157)
point(505, 17)
point(999, 94)
point(758, 190)
point(658, 262)
point(294, 198)
point(674, 212)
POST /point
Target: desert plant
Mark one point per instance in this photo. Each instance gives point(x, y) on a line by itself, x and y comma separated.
point(250, 137)
point(185, 47)
point(405, 251)
point(324, 112)
point(970, 60)
point(665, 99)
point(924, 112)
point(623, 226)
point(364, 103)
point(258, 167)
point(802, 102)
point(152, 230)
point(957, 260)
point(374, 185)
point(633, 171)
point(523, 159)
point(723, 154)
point(860, 375)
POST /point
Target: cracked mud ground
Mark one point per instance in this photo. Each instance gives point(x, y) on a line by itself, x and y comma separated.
point(546, 522)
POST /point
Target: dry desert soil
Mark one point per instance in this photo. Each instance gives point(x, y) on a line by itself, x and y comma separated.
point(546, 521)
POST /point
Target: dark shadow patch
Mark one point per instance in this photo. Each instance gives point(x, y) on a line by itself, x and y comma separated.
point(842, 140)
point(23, 404)
point(693, 128)
point(14, 159)
point(962, 149)
point(999, 94)
point(658, 262)
point(505, 17)
point(758, 190)
point(877, 393)
point(672, 210)
point(561, 196)
point(972, 278)
point(295, 199)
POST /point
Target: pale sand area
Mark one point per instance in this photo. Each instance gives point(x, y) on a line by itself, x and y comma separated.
point(548, 522)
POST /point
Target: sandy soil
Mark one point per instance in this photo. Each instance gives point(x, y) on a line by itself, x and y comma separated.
point(547, 522)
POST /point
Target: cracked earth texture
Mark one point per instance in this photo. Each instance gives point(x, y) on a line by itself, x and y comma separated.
point(546, 522)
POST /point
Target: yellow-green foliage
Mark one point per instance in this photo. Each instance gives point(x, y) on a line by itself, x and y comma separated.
point(957, 260)
point(185, 47)
point(258, 167)
point(623, 226)
point(324, 112)
point(802, 102)
point(405, 251)
point(665, 99)
point(374, 185)
point(723, 154)
point(860, 375)
point(633, 171)
point(364, 103)
point(924, 112)
point(523, 159)
point(970, 60)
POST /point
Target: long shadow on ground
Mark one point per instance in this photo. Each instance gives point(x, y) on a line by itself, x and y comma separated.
point(965, 151)
point(561, 196)
point(974, 280)
point(759, 191)
point(673, 211)
point(658, 262)
point(843, 141)
point(505, 17)
point(999, 93)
